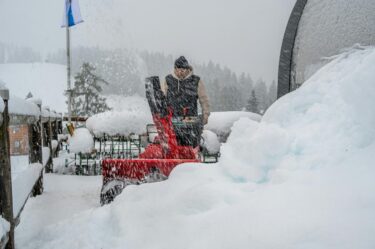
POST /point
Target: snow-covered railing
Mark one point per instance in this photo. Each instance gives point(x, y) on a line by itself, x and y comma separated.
point(43, 129)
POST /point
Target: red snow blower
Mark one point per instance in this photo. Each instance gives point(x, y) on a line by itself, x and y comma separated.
point(177, 142)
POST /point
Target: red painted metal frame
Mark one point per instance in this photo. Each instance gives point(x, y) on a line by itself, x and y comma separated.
point(163, 156)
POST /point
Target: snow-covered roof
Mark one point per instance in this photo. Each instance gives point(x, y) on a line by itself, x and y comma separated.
point(46, 113)
point(129, 115)
point(221, 122)
point(22, 107)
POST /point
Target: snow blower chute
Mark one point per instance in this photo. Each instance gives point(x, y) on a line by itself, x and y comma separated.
point(177, 142)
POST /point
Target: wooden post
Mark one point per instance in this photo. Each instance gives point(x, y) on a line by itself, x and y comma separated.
point(49, 166)
point(38, 145)
point(6, 197)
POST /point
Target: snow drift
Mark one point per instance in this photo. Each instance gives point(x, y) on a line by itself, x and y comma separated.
point(302, 178)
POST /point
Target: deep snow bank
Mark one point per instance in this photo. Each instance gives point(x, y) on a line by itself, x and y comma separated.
point(302, 178)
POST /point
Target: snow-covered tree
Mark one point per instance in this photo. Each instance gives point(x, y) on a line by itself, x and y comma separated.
point(252, 103)
point(86, 99)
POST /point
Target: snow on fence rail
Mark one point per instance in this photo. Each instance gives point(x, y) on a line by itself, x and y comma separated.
point(43, 126)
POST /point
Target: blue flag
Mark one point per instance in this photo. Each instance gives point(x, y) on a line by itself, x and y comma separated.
point(72, 14)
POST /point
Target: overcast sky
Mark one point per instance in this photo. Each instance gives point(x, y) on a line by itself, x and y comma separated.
point(244, 35)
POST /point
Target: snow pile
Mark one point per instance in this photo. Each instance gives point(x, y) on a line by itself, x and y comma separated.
point(210, 142)
point(64, 164)
point(302, 178)
point(128, 115)
point(46, 153)
point(22, 185)
point(4, 227)
point(22, 107)
point(81, 141)
point(44, 80)
point(19, 164)
point(54, 144)
point(221, 122)
point(64, 197)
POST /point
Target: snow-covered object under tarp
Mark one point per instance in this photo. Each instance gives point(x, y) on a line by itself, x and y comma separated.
point(128, 115)
point(22, 107)
point(4, 227)
point(22, 185)
point(301, 178)
point(221, 122)
point(210, 141)
point(81, 142)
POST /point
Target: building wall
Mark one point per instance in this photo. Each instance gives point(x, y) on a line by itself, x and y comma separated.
point(19, 139)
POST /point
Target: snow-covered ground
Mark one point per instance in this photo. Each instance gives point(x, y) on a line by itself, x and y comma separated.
point(4, 227)
point(64, 198)
point(44, 80)
point(301, 178)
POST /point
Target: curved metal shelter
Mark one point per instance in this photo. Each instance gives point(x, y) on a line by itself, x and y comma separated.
point(318, 30)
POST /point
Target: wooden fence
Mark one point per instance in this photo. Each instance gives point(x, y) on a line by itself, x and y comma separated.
point(42, 131)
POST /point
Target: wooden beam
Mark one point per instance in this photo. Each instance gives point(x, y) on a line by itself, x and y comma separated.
point(76, 119)
point(6, 197)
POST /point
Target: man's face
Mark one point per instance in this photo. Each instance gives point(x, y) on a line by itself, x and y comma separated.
point(181, 73)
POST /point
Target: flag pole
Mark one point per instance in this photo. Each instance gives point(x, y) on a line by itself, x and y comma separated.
point(68, 69)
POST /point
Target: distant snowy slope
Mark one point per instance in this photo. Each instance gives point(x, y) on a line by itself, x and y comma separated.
point(45, 81)
point(302, 178)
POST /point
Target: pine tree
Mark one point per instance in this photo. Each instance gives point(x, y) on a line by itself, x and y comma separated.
point(29, 95)
point(86, 99)
point(252, 103)
point(272, 93)
point(261, 94)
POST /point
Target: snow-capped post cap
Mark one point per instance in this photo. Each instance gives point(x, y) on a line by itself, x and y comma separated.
point(4, 94)
point(36, 101)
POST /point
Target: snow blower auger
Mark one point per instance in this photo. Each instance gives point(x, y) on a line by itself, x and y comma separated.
point(177, 142)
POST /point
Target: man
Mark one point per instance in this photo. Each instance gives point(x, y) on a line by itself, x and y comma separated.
point(183, 90)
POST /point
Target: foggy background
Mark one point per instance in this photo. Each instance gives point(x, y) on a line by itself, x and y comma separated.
point(244, 35)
